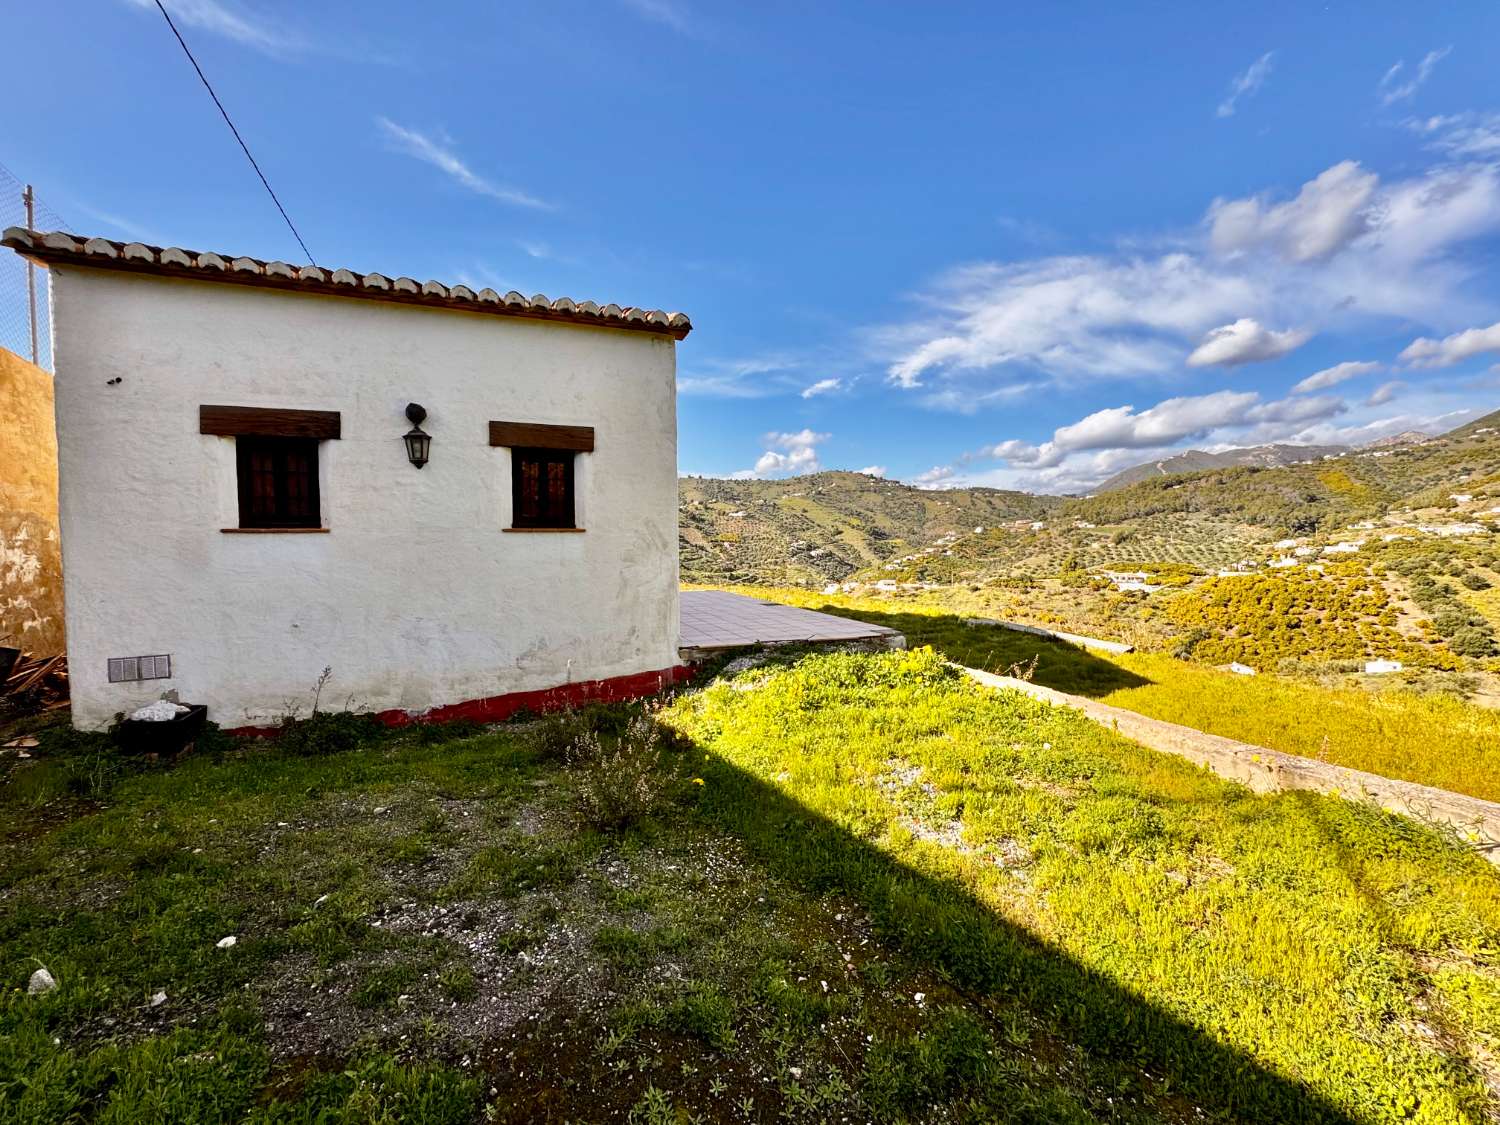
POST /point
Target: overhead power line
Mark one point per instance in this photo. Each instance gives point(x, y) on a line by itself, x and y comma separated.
point(207, 86)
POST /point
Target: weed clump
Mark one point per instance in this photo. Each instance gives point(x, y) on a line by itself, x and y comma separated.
point(623, 778)
point(329, 732)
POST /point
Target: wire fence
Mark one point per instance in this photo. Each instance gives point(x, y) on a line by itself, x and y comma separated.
point(25, 306)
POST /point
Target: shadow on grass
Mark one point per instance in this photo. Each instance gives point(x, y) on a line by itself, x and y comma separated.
point(1127, 1040)
point(1059, 665)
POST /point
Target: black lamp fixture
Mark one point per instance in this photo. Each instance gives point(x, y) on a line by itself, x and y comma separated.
point(417, 442)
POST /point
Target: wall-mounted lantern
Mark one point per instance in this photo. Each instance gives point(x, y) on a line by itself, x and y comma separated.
point(417, 442)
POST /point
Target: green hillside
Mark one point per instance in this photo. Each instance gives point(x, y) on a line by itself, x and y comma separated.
point(833, 526)
point(1382, 553)
point(1328, 493)
point(825, 527)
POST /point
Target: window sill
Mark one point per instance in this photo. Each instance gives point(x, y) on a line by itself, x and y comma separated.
point(544, 530)
point(274, 530)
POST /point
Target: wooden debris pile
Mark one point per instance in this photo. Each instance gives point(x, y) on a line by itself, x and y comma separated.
point(36, 683)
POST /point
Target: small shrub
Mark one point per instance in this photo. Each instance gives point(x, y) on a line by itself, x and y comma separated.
point(557, 733)
point(1188, 643)
point(622, 779)
point(1476, 581)
point(704, 1013)
point(1471, 640)
point(458, 984)
point(329, 732)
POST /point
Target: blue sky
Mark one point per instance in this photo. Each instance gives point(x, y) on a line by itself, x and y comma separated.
point(1022, 247)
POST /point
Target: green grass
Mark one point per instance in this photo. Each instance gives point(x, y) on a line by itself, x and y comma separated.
point(429, 932)
point(1282, 958)
point(1429, 739)
point(895, 897)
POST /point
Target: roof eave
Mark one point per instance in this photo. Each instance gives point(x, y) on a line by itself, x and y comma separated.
point(102, 254)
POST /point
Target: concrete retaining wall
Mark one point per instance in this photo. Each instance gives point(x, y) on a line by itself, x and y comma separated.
point(1269, 771)
point(1072, 638)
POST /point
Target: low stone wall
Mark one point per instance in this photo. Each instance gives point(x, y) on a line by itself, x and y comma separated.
point(1072, 638)
point(1269, 771)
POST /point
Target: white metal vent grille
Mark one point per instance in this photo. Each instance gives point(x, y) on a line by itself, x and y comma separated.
point(123, 669)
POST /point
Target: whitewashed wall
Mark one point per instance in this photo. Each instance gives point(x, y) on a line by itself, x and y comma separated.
point(415, 598)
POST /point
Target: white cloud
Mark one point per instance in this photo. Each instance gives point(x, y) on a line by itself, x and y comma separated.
point(1463, 135)
point(1394, 88)
point(792, 454)
point(665, 12)
point(1328, 213)
point(1333, 376)
point(229, 21)
point(1347, 250)
point(1168, 422)
point(1246, 85)
point(1385, 392)
point(135, 230)
point(1425, 352)
point(1069, 316)
point(440, 156)
point(1074, 461)
point(1245, 341)
point(939, 476)
point(873, 470)
point(822, 386)
point(753, 377)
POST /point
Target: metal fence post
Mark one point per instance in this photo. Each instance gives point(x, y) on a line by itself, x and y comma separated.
point(29, 198)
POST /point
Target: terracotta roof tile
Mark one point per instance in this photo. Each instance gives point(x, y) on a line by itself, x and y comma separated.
point(173, 261)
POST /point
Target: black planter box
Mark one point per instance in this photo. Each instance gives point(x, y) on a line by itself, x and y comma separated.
point(170, 736)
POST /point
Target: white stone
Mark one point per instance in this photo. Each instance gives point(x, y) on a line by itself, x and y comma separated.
point(158, 999)
point(41, 982)
point(226, 942)
point(1382, 667)
point(424, 626)
point(162, 711)
point(1241, 669)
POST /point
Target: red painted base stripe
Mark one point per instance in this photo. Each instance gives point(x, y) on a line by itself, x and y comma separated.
point(498, 708)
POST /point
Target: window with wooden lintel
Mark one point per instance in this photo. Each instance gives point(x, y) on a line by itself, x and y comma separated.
point(543, 472)
point(276, 462)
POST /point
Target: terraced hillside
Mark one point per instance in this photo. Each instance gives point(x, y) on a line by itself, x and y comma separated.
point(1301, 499)
point(1390, 553)
point(1264, 456)
point(824, 527)
point(833, 526)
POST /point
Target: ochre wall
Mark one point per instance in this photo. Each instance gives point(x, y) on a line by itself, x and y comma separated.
point(31, 589)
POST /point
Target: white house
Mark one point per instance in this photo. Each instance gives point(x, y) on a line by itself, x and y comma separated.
point(241, 508)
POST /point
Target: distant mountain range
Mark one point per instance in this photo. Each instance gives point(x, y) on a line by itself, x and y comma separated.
point(1194, 460)
point(1206, 509)
point(1258, 456)
point(1405, 437)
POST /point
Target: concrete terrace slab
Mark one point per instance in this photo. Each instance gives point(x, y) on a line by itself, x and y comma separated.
point(713, 620)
